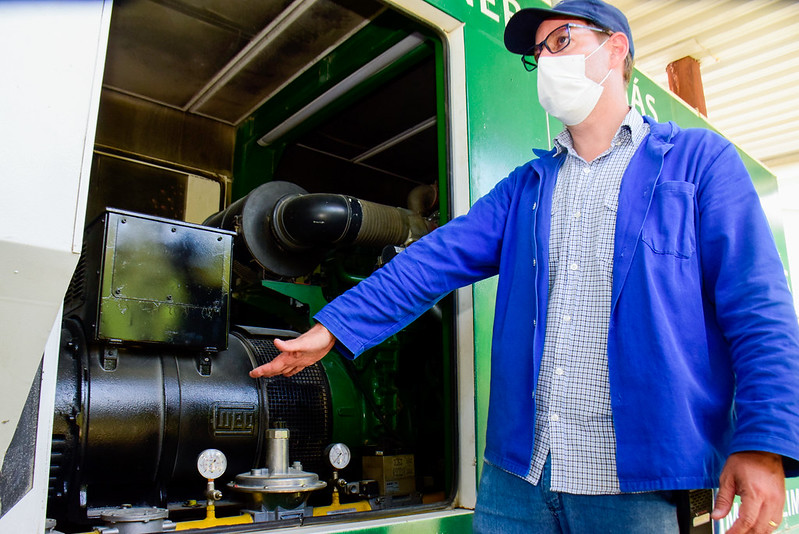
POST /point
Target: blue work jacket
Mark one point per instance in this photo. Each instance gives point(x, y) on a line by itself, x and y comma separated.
point(703, 344)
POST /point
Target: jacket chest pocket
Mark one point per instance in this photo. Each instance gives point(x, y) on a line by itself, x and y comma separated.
point(669, 224)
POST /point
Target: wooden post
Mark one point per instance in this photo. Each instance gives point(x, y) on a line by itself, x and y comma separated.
point(685, 80)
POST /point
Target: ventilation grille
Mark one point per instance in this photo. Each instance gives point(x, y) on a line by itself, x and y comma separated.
point(56, 488)
point(76, 292)
point(300, 403)
point(701, 502)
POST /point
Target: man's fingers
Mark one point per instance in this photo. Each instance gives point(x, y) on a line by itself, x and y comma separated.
point(298, 353)
point(263, 370)
point(285, 345)
point(285, 363)
point(771, 509)
point(747, 518)
point(293, 371)
point(759, 479)
point(756, 519)
point(724, 499)
point(272, 368)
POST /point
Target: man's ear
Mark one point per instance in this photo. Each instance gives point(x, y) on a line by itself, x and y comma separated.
point(619, 47)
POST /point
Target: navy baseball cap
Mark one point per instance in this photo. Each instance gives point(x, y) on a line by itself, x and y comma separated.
point(521, 28)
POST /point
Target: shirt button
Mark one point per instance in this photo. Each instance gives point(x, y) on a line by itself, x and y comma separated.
point(567, 318)
point(554, 418)
point(574, 266)
point(533, 262)
point(559, 371)
point(586, 170)
point(535, 205)
point(577, 214)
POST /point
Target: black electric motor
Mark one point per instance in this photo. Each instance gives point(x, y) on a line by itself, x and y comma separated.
point(136, 404)
point(150, 373)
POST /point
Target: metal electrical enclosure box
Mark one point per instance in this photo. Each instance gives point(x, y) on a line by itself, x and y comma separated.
point(157, 281)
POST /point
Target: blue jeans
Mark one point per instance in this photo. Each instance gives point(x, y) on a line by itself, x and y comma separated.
point(507, 504)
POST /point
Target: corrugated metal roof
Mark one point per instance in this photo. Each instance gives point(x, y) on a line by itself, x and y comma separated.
point(749, 56)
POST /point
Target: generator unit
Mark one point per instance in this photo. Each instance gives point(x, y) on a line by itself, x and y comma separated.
point(157, 421)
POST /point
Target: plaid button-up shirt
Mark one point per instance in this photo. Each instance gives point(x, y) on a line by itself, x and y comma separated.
point(574, 422)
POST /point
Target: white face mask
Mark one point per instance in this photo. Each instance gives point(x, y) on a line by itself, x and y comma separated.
point(564, 90)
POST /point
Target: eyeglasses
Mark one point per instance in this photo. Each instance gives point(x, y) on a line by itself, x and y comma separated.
point(557, 40)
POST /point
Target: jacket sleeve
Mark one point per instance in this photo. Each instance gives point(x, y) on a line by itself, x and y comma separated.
point(461, 252)
point(745, 281)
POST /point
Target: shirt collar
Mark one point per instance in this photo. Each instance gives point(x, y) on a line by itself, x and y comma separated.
point(631, 131)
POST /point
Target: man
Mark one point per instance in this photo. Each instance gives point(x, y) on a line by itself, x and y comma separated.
point(644, 336)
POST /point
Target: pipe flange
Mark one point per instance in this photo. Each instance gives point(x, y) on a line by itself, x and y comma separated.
point(261, 481)
point(135, 520)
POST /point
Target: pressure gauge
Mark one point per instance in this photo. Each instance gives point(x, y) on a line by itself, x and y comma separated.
point(339, 455)
point(211, 463)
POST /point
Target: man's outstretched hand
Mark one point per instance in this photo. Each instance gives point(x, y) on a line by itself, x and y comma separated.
point(759, 479)
point(298, 353)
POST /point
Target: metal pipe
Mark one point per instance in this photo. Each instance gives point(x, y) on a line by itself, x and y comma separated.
point(277, 458)
point(327, 220)
point(288, 231)
point(422, 199)
point(316, 220)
